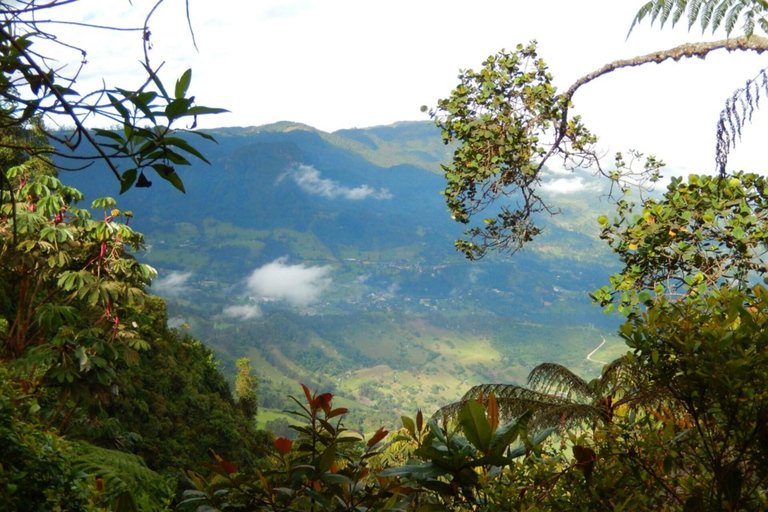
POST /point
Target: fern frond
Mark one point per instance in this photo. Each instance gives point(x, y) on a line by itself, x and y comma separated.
point(693, 12)
point(641, 14)
point(749, 23)
point(706, 14)
point(733, 17)
point(125, 477)
point(679, 10)
point(557, 379)
point(711, 14)
point(568, 416)
point(763, 24)
point(512, 400)
point(658, 9)
point(719, 14)
point(738, 111)
point(665, 12)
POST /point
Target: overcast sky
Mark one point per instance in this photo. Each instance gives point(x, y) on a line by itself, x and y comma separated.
point(341, 63)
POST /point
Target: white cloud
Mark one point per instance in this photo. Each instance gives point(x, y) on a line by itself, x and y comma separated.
point(243, 312)
point(474, 274)
point(556, 169)
point(562, 186)
point(172, 285)
point(176, 322)
point(309, 180)
point(300, 285)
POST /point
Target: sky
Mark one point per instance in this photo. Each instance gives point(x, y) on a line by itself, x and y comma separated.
point(336, 64)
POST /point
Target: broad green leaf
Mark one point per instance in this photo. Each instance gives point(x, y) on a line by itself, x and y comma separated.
point(475, 426)
point(196, 111)
point(508, 434)
point(409, 425)
point(168, 173)
point(182, 84)
point(128, 179)
point(186, 146)
point(120, 109)
point(177, 108)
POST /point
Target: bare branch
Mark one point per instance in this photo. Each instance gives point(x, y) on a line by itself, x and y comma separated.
point(66, 105)
point(688, 50)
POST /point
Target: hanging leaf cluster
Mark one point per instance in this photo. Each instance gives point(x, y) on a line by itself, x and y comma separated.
point(507, 119)
point(738, 111)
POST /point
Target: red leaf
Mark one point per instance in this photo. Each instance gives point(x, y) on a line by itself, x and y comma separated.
point(324, 401)
point(378, 436)
point(283, 445)
point(307, 394)
point(337, 412)
point(228, 467)
point(419, 421)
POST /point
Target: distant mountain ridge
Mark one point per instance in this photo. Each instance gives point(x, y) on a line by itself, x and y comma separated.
point(328, 258)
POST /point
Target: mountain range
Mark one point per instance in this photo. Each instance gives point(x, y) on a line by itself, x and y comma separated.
point(327, 258)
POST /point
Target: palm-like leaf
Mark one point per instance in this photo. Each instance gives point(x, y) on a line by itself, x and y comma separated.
point(558, 380)
point(512, 400)
point(560, 398)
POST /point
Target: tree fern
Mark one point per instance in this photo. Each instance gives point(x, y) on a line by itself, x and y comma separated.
point(555, 379)
point(716, 14)
point(560, 398)
point(128, 484)
point(711, 14)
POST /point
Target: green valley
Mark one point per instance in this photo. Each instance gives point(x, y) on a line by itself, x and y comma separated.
point(396, 319)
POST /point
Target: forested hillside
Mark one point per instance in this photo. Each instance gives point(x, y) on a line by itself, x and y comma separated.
point(382, 310)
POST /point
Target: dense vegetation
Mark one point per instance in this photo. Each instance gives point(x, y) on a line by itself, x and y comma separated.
point(102, 406)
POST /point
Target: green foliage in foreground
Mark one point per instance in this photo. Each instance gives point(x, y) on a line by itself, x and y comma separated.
point(86, 353)
point(37, 467)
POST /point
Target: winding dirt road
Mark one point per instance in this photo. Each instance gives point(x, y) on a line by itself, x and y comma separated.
point(589, 356)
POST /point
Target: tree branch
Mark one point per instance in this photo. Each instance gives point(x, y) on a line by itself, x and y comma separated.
point(701, 50)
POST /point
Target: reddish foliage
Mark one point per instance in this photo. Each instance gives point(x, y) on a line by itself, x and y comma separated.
point(283, 445)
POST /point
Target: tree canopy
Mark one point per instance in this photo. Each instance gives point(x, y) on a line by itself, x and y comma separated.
point(508, 121)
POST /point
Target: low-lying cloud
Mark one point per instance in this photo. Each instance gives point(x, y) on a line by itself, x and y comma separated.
point(174, 284)
point(309, 180)
point(176, 322)
point(574, 185)
point(299, 285)
point(243, 312)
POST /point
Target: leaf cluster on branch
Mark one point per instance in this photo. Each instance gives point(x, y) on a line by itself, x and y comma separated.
point(508, 121)
point(36, 91)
